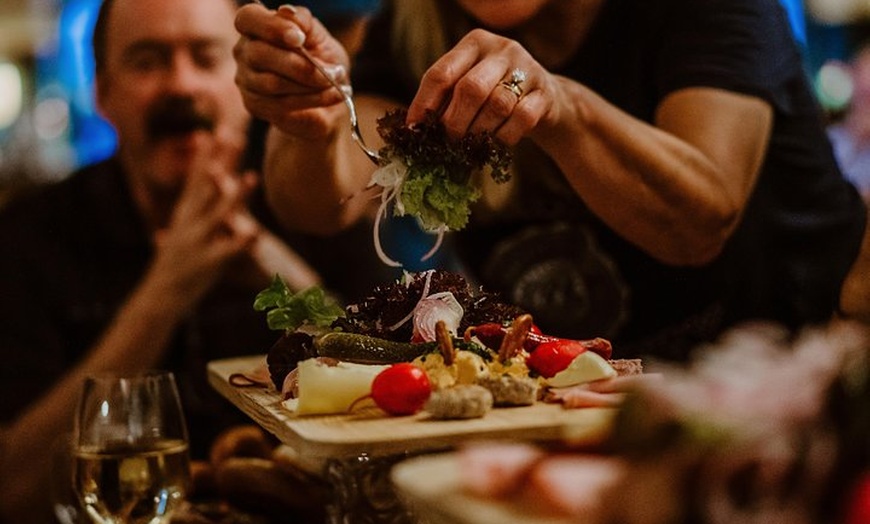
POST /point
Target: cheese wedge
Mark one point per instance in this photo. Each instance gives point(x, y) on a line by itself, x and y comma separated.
point(586, 367)
point(327, 389)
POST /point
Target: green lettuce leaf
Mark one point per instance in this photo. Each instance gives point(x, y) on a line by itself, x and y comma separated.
point(435, 199)
point(438, 188)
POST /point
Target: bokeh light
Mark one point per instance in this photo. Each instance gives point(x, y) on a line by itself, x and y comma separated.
point(11, 94)
point(834, 85)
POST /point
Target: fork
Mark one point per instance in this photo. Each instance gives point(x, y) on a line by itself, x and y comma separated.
point(346, 93)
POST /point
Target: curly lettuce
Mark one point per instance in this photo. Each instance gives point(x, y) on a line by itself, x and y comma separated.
point(428, 175)
point(429, 194)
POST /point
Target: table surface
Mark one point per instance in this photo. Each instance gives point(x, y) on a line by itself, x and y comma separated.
point(371, 432)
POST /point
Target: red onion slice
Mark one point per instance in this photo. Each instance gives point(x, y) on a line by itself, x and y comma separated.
point(431, 309)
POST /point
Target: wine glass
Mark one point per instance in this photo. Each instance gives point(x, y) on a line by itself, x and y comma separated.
point(131, 449)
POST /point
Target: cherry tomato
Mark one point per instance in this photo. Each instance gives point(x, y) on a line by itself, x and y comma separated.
point(401, 389)
point(553, 356)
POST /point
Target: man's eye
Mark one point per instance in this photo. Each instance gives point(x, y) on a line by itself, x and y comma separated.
point(146, 61)
point(210, 58)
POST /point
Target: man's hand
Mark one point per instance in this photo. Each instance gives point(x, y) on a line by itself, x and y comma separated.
point(209, 226)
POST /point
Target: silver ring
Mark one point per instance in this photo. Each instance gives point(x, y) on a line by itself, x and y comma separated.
point(514, 83)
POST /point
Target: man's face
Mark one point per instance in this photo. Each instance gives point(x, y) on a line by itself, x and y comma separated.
point(168, 76)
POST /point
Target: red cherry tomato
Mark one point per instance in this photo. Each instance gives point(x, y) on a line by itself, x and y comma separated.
point(553, 356)
point(401, 389)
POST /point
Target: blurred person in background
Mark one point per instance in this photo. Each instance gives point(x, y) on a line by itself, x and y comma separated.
point(150, 259)
point(851, 134)
point(672, 176)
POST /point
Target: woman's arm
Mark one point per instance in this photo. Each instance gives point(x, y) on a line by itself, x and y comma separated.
point(676, 188)
point(319, 185)
point(315, 175)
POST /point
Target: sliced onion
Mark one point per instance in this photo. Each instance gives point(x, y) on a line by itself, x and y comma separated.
point(435, 307)
point(423, 295)
point(390, 177)
point(376, 233)
point(438, 241)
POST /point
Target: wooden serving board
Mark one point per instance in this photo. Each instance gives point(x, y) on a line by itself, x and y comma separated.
point(369, 431)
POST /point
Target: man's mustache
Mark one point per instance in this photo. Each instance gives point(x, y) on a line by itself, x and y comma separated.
point(176, 116)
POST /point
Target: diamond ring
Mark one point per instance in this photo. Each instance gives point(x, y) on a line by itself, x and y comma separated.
point(514, 83)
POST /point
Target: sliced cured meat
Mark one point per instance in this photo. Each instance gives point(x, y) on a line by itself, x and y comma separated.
point(573, 485)
point(579, 397)
point(496, 469)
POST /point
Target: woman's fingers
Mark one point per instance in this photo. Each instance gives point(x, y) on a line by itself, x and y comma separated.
point(318, 40)
point(270, 42)
point(496, 111)
point(485, 83)
point(474, 98)
point(267, 69)
point(437, 85)
point(277, 82)
point(267, 52)
point(527, 112)
point(256, 22)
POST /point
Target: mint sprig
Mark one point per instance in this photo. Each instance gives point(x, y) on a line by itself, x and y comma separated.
point(289, 311)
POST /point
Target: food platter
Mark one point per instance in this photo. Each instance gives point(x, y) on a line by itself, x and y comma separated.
point(424, 483)
point(370, 432)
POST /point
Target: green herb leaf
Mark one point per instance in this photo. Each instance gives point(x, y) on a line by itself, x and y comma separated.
point(288, 311)
point(276, 295)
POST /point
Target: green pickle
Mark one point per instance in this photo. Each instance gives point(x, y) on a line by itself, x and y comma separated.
point(363, 349)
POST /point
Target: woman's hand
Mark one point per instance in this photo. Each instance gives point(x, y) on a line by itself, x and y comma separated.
point(469, 82)
point(280, 85)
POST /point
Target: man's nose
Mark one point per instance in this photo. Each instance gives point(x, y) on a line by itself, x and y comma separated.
point(184, 76)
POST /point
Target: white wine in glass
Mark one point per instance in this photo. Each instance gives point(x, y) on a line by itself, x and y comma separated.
point(131, 450)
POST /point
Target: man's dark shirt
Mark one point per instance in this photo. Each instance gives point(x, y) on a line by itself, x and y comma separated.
point(74, 251)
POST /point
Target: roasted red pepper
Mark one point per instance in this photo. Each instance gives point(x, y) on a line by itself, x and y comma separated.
point(491, 335)
point(553, 356)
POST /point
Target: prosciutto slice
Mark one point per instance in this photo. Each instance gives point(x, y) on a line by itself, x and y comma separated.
point(600, 393)
point(578, 486)
point(497, 469)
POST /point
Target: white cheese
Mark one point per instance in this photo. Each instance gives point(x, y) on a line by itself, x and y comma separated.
point(327, 389)
point(586, 367)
